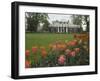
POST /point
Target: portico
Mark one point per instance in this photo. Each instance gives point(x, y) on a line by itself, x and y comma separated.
point(62, 27)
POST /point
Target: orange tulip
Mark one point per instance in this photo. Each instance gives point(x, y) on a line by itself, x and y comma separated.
point(27, 64)
point(54, 47)
point(63, 46)
point(72, 43)
point(59, 46)
point(44, 53)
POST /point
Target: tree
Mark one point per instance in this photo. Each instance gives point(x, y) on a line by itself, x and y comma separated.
point(77, 19)
point(33, 20)
point(86, 18)
point(46, 25)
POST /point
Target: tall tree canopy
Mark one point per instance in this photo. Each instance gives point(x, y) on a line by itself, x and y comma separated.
point(77, 19)
point(46, 25)
point(34, 19)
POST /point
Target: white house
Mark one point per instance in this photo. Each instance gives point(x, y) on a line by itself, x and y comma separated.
point(62, 26)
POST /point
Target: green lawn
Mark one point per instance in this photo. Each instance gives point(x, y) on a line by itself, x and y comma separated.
point(44, 39)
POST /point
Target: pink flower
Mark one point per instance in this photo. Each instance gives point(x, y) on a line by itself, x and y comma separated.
point(27, 53)
point(61, 59)
point(34, 49)
point(72, 53)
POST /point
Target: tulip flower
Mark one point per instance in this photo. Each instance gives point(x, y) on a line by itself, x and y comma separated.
point(27, 64)
point(43, 53)
point(63, 46)
point(59, 46)
point(67, 51)
point(61, 60)
point(72, 53)
point(72, 43)
point(27, 53)
point(54, 47)
point(77, 50)
point(34, 49)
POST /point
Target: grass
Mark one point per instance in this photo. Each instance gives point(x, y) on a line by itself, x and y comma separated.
point(44, 39)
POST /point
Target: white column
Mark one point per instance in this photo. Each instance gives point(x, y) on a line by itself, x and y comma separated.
point(62, 29)
point(58, 29)
point(66, 29)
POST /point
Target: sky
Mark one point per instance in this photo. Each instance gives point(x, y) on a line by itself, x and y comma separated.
point(59, 17)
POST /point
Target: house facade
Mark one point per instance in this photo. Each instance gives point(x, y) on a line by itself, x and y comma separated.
point(61, 27)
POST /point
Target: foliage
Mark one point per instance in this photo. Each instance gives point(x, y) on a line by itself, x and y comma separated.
point(34, 19)
point(77, 19)
point(46, 25)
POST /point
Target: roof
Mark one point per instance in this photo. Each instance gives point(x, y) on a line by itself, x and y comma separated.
point(65, 25)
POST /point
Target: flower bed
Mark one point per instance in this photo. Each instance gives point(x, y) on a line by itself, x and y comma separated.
point(60, 53)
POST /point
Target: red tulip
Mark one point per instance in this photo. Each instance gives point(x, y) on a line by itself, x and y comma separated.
point(27, 64)
point(27, 53)
point(34, 49)
point(61, 59)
